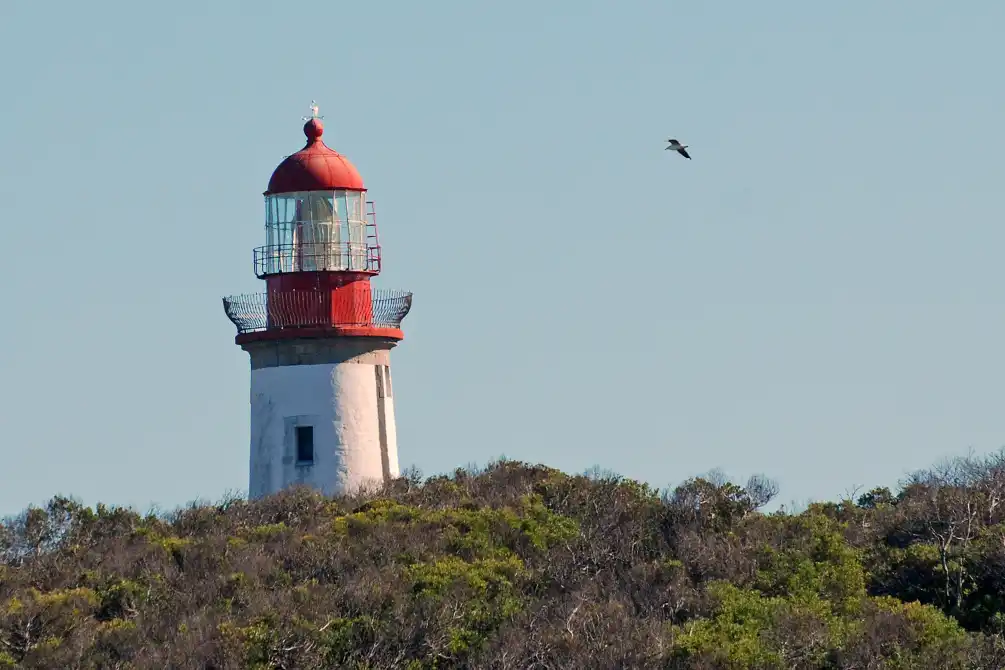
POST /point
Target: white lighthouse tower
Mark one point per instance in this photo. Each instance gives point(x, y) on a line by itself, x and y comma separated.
point(319, 337)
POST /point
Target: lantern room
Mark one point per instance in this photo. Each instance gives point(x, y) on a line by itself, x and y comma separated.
point(317, 218)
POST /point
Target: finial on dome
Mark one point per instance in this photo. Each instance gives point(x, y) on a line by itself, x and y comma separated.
point(313, 128)
point(314, 112)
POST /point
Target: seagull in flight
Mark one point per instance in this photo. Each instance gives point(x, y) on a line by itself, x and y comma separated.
point(678, 147)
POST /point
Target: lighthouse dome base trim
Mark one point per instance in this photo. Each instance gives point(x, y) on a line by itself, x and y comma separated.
point(322, 415)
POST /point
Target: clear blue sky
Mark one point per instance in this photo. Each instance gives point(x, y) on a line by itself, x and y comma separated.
point(817, 295)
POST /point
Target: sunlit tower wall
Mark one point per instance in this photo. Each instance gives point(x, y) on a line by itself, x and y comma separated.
point(320, 336)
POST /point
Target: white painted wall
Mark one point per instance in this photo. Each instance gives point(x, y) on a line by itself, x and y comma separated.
point(340, 401)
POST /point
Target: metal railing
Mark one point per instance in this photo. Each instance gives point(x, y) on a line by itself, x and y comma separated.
point(317, 257)
point(255, 312)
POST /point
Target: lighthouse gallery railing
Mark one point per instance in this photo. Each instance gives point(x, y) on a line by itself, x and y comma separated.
point(253, 312)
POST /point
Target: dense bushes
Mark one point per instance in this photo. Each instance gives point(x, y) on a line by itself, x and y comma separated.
point(518, 567)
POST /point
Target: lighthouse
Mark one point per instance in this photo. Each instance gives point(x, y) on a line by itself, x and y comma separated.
point(319, 337)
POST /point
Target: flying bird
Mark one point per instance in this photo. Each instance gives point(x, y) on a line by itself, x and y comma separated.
point(678, 147)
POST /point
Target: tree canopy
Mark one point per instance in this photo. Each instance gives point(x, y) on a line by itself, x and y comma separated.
point(518, 566)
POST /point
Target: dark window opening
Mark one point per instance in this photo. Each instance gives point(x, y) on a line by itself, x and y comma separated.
point(305, 444)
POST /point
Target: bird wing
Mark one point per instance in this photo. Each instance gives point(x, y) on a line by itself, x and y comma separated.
point(683, 152)
point(673, 142)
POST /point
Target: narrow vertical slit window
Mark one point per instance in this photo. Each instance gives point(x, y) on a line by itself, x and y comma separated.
point(305, 444)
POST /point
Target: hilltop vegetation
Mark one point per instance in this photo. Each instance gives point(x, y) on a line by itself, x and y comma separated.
point(518, 567)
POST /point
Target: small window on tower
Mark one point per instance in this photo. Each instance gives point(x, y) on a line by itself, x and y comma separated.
point(305, 444)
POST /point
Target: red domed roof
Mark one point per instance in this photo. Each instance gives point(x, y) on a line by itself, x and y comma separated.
point(315, 167)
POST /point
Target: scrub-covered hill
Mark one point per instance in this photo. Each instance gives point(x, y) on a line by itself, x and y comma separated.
point(518, 567)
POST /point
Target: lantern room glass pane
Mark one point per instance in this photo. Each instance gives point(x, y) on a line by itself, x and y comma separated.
point(356, 229)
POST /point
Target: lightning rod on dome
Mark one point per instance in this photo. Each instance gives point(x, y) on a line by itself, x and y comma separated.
point(314, 112)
